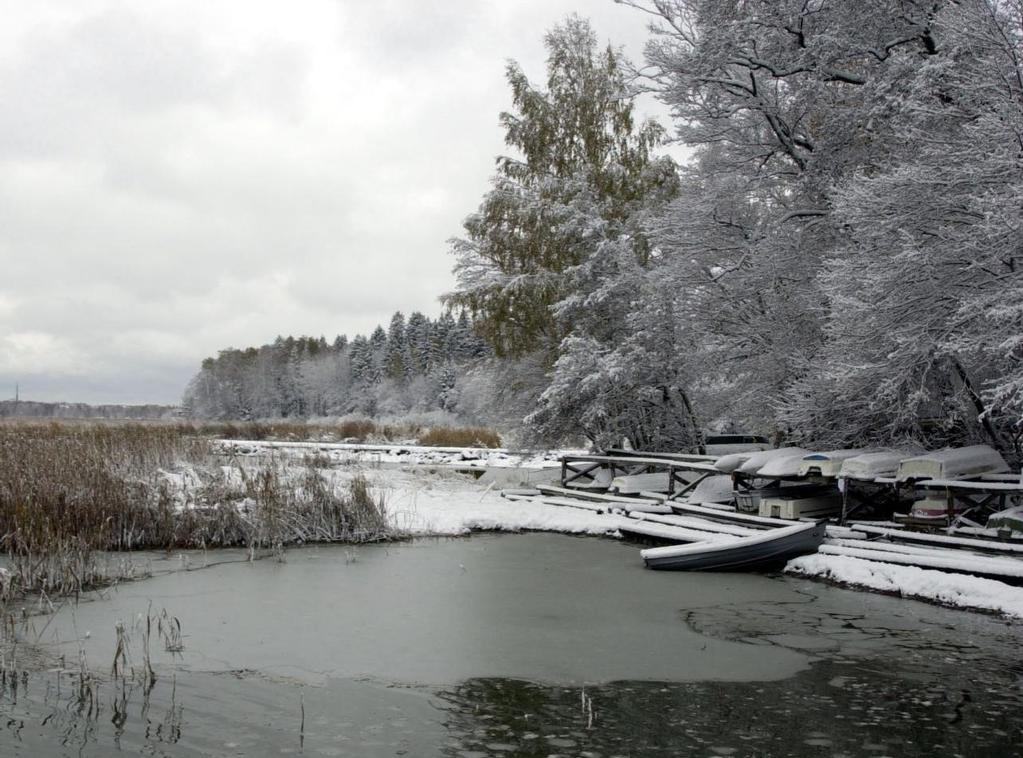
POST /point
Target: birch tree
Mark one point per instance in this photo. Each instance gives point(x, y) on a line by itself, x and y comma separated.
point(581, 166)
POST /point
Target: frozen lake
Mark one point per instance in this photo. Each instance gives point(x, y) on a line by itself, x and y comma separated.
point(533, 644)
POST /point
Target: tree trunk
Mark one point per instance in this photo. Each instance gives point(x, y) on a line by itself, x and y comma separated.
point(978, 403)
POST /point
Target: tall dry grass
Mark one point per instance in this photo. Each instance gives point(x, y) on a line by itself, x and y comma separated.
point(70, 491)
point(301, 505)
point(460, 436)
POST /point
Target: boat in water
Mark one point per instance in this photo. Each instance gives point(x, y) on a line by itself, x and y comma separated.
point(768, 549)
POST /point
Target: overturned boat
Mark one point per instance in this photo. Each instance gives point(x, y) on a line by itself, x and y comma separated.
point(952, 463)
point(757, 551)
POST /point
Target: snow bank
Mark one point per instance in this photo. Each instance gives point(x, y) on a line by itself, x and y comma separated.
point(948, 560)
point(955, 590)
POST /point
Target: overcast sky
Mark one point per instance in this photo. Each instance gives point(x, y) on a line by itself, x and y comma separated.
point(181, 176)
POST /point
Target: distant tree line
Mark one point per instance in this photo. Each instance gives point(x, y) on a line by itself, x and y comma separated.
point(413, 365)
point(35, 409)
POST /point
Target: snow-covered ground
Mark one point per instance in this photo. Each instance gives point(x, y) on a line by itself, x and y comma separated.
point(411, 454)
point(445, 503)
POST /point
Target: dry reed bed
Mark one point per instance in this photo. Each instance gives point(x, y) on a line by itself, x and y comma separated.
point(350, 430)
point(69, 491)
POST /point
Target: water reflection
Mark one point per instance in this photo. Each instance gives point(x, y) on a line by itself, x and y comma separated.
point(40, 711)
point(836, 709)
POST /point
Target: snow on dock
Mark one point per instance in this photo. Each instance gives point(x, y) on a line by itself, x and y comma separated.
point(944, 560)
point(642, 508)
point(940, 540)
point(900, 547)
point(715, 514)
point(1015, 486)
point(668, 533)
point(956, 590)
point(698, 524)
point(569, 502)
point(550, 489)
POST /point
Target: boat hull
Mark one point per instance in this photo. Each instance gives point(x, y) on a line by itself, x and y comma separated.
point(748, 554)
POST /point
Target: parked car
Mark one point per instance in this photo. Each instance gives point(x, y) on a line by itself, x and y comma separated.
point(723, 444)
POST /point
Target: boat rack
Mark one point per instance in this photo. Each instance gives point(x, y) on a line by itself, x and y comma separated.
point(581, 470)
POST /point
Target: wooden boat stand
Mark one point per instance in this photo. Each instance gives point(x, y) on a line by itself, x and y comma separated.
point(582, 467)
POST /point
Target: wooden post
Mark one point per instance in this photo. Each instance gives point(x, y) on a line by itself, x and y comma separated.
point(690, 486)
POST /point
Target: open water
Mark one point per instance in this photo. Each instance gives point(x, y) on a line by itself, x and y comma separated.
point(507, 645)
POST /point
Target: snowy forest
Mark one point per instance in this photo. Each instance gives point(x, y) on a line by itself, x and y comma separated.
point(837, 261)
point(413, 366)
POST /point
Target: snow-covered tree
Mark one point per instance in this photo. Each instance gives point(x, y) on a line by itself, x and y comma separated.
point(924, 286)
point(306, 376)
point(395, 349)
point(785, 102)
point(582, 163)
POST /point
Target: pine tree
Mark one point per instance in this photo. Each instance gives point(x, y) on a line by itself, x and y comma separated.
point(418, 340)
point(394, 352)
point(361, 357)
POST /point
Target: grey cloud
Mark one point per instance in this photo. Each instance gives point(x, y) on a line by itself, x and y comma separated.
point(396, 35)
point(73, 85)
